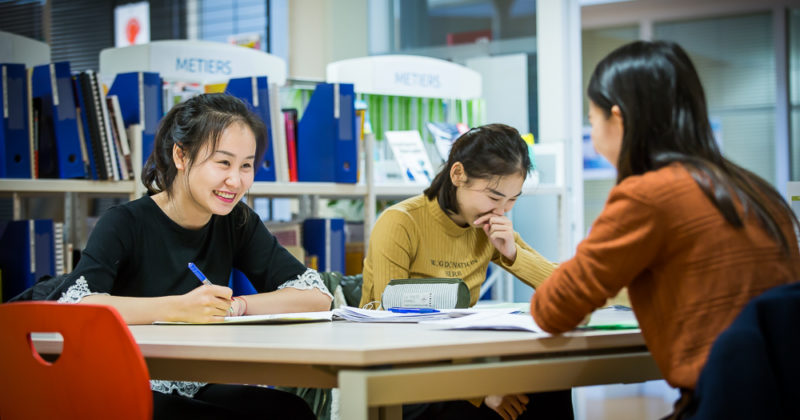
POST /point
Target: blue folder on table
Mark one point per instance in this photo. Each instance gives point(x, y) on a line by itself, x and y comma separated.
point(327, 150)
point(140, 92)
point(255, 92)
point(15, 141)
point(52, 84)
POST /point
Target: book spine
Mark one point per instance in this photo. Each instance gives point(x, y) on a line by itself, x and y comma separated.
point(291, 143)
point(116, 135)
point(96, 96)
point(58, 247)
point(32, 122)
point(112, 149)
point(94, 128)
point(123, 135)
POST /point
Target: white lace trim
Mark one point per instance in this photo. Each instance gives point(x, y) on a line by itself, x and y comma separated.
point(77, 291)
point(308, 280)
point(187, 389)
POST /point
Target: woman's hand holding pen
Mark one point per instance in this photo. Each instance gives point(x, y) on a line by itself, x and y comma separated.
point(500, 231)
point(206, 303)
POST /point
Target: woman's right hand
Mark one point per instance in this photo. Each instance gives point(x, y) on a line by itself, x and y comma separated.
point(206, 303)
point(509, 407)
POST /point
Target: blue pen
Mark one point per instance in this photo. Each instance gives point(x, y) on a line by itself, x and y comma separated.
point(199, 274)
point(399, 310)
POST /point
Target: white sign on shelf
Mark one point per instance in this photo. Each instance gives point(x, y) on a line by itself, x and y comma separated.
point(410, 154)
point(19, 49)
point(407, 75)
point(193, 61)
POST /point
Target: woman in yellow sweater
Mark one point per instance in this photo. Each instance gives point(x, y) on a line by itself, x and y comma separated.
point(691, 234)
point(454, 230)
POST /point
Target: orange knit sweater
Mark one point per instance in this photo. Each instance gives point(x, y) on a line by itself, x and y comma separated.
point(687, 270)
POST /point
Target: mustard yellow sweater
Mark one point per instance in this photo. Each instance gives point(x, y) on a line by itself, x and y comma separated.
point(416, 239)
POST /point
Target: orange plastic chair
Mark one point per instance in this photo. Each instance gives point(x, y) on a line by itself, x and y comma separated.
point(100, 372)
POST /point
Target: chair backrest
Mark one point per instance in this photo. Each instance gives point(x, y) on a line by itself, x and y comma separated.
point(100, 372)
point(753, 369)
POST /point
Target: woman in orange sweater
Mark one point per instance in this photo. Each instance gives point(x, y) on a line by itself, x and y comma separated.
point(691, 234)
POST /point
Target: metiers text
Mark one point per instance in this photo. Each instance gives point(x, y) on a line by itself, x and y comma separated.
point(201, 65)
point(418, 79)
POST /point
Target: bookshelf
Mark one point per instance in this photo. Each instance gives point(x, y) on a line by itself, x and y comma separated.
point(322, 189)
point(454, 81)
point(24, 186)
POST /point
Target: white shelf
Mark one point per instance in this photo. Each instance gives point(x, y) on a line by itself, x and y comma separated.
point(66, 185)
point(543, 190)
point(410, 190)
point(398, 190)
point(322, 189)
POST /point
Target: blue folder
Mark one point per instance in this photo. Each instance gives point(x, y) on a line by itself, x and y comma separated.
point(137, 92)
point(258, 101)
point(52, 83)
point(15, 142)
point(325, 238)
point(44, 241)
point(27, 252)
point(327, 150)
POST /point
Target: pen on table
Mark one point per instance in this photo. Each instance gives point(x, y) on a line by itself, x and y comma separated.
point(199, 274)
point(400, 310)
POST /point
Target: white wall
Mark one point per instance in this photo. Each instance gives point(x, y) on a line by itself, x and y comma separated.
point(505, 88)
point(323, 31)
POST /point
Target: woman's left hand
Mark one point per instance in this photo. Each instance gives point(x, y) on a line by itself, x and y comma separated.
point(500, 231)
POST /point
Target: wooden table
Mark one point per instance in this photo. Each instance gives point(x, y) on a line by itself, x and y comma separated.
point(378, 367)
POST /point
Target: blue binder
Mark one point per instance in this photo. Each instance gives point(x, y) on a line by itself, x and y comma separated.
point(15, 142)
point(327, 150)
point(243, 88)
point(27, 252)
point(325, 238)
point(44, 241)
point(52, 83)
point(140, 92)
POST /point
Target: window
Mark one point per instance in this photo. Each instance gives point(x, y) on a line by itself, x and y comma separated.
point(597, 43)
point(735, 57)
point(22, 17)
point(794, 91)
point(430, 23)
point(243, 22)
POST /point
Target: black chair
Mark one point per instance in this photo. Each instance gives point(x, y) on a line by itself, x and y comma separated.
point(753, 369)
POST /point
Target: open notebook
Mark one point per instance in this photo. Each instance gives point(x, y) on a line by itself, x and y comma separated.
point(288, 318)
point(495, 319)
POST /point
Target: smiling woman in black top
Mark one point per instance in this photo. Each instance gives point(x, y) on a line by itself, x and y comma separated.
point(204, 159)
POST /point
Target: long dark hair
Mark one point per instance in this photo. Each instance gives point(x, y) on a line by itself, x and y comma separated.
point(488, 151)
point(192, 125)
point(665, 120)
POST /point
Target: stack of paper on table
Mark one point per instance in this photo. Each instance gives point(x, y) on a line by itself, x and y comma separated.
point(350, 313)
point(491, 319)
point(497, 319)
point(287, 318)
